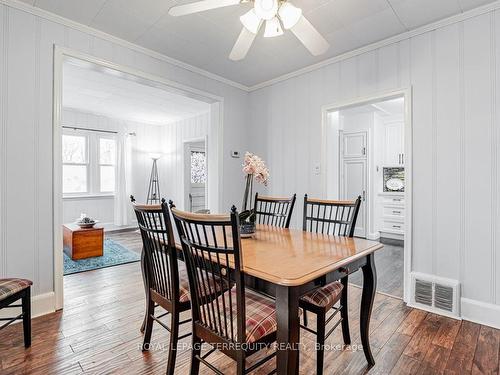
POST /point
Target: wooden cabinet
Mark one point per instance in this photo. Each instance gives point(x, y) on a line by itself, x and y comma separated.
point(394, 144)
point(82, 243)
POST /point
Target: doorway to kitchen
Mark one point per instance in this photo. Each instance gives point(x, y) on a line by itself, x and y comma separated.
point(367, 153)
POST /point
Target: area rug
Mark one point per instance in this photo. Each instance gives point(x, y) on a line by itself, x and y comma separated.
point(114, 254)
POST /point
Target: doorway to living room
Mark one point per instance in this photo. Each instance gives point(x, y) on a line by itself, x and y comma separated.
point(120, 134)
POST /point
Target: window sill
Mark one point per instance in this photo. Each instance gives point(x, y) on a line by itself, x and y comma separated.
point(88, 196)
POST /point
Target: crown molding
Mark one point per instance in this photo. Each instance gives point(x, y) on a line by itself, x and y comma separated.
point(383, 43)
point(16, 4)
point(359, 51)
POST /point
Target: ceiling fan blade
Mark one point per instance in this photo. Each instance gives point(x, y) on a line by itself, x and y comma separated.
point(200, 6)
point(242, 45)
point(310, 37)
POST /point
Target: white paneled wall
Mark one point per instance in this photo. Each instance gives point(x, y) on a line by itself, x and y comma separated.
point(26, 83)
point(454, 73)
point(171, 165)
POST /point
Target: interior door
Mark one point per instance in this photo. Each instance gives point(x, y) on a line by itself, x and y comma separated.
point(354, 178)
point(196, 176)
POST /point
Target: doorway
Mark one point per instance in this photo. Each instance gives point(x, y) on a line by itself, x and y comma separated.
point(167, 159)
point(195, 176)
point(366, 152)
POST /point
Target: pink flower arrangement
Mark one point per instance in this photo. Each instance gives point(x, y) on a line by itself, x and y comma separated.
point(255, 166)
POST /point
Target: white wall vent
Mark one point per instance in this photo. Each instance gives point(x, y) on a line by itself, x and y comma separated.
point(435, 294)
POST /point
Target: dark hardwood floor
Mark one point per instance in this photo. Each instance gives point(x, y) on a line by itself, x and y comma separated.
point(390, 270)
point(98, 333)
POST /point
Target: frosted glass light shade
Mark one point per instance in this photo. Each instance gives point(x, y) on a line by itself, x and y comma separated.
point(273, 28)
point(251, 21)
point(289, 15)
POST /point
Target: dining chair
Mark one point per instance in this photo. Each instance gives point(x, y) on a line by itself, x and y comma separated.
point(333, 218)
point(240, 322)
point(166, 279)
point(274, 211)
point(12, 290)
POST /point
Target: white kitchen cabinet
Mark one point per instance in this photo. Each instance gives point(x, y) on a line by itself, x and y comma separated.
point(392, 207)
point(394, 144)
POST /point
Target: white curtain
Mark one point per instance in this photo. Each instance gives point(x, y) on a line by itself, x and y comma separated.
point(123, 174)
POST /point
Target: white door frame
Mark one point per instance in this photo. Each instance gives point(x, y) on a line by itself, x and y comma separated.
point(215, 165)
point(406, 93)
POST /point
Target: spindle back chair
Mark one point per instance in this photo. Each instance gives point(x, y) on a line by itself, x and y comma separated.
point(274, 211)
point(336, 218)
point(211, 246)
point(164, 287)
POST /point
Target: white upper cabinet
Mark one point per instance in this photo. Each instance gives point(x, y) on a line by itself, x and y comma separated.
point(394, 144)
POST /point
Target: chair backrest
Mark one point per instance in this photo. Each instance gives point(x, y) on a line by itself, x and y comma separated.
point(331, 217)
point(275, 211)
point(159, 249)
point(211, 244)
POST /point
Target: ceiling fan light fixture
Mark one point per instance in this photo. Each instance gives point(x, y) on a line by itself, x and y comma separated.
point(266, 9)
point(289, 15)
point(251, 21)
point(273, 28)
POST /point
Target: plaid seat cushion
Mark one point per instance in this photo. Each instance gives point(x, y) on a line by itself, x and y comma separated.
point(9, 287)
point(260, 315)
point(184, 295)
point(326, 296)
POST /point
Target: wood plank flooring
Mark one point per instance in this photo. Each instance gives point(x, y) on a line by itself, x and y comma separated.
point(98, 333)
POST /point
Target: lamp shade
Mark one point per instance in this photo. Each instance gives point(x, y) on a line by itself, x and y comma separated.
point(273, 28)
point(155, 155)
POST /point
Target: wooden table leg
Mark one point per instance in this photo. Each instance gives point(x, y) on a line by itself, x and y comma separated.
point(146, 288)
point(287, 314)
point(369, 288)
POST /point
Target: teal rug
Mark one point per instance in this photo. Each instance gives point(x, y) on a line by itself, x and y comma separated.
point(114, 254)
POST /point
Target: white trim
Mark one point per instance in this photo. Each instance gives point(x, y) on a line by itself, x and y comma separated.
point(370, 47)
point(216, 129)
point(480, 312)
point(407, 94)
point(383, 43)
point(113, 39)
point(41, 304)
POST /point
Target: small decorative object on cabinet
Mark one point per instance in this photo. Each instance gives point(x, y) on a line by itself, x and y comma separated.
point(394, 179)
point(253, 168)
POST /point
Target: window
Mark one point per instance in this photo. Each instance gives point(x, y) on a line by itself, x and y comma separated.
point(107, 161)
point(75, 164)
point(89, 162)
point(198, 167)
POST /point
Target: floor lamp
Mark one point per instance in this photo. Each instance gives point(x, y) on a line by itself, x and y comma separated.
point(154, 196)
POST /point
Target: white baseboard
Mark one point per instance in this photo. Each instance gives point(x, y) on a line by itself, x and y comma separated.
point(481, 312)
point(41, 304)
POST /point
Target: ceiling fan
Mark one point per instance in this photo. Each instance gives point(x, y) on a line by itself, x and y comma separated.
point(277, 14)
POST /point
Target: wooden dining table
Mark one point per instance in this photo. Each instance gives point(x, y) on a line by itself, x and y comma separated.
point(289, 263)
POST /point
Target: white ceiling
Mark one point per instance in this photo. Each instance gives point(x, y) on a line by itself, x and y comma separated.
point(102, 91)
point(205, 40)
